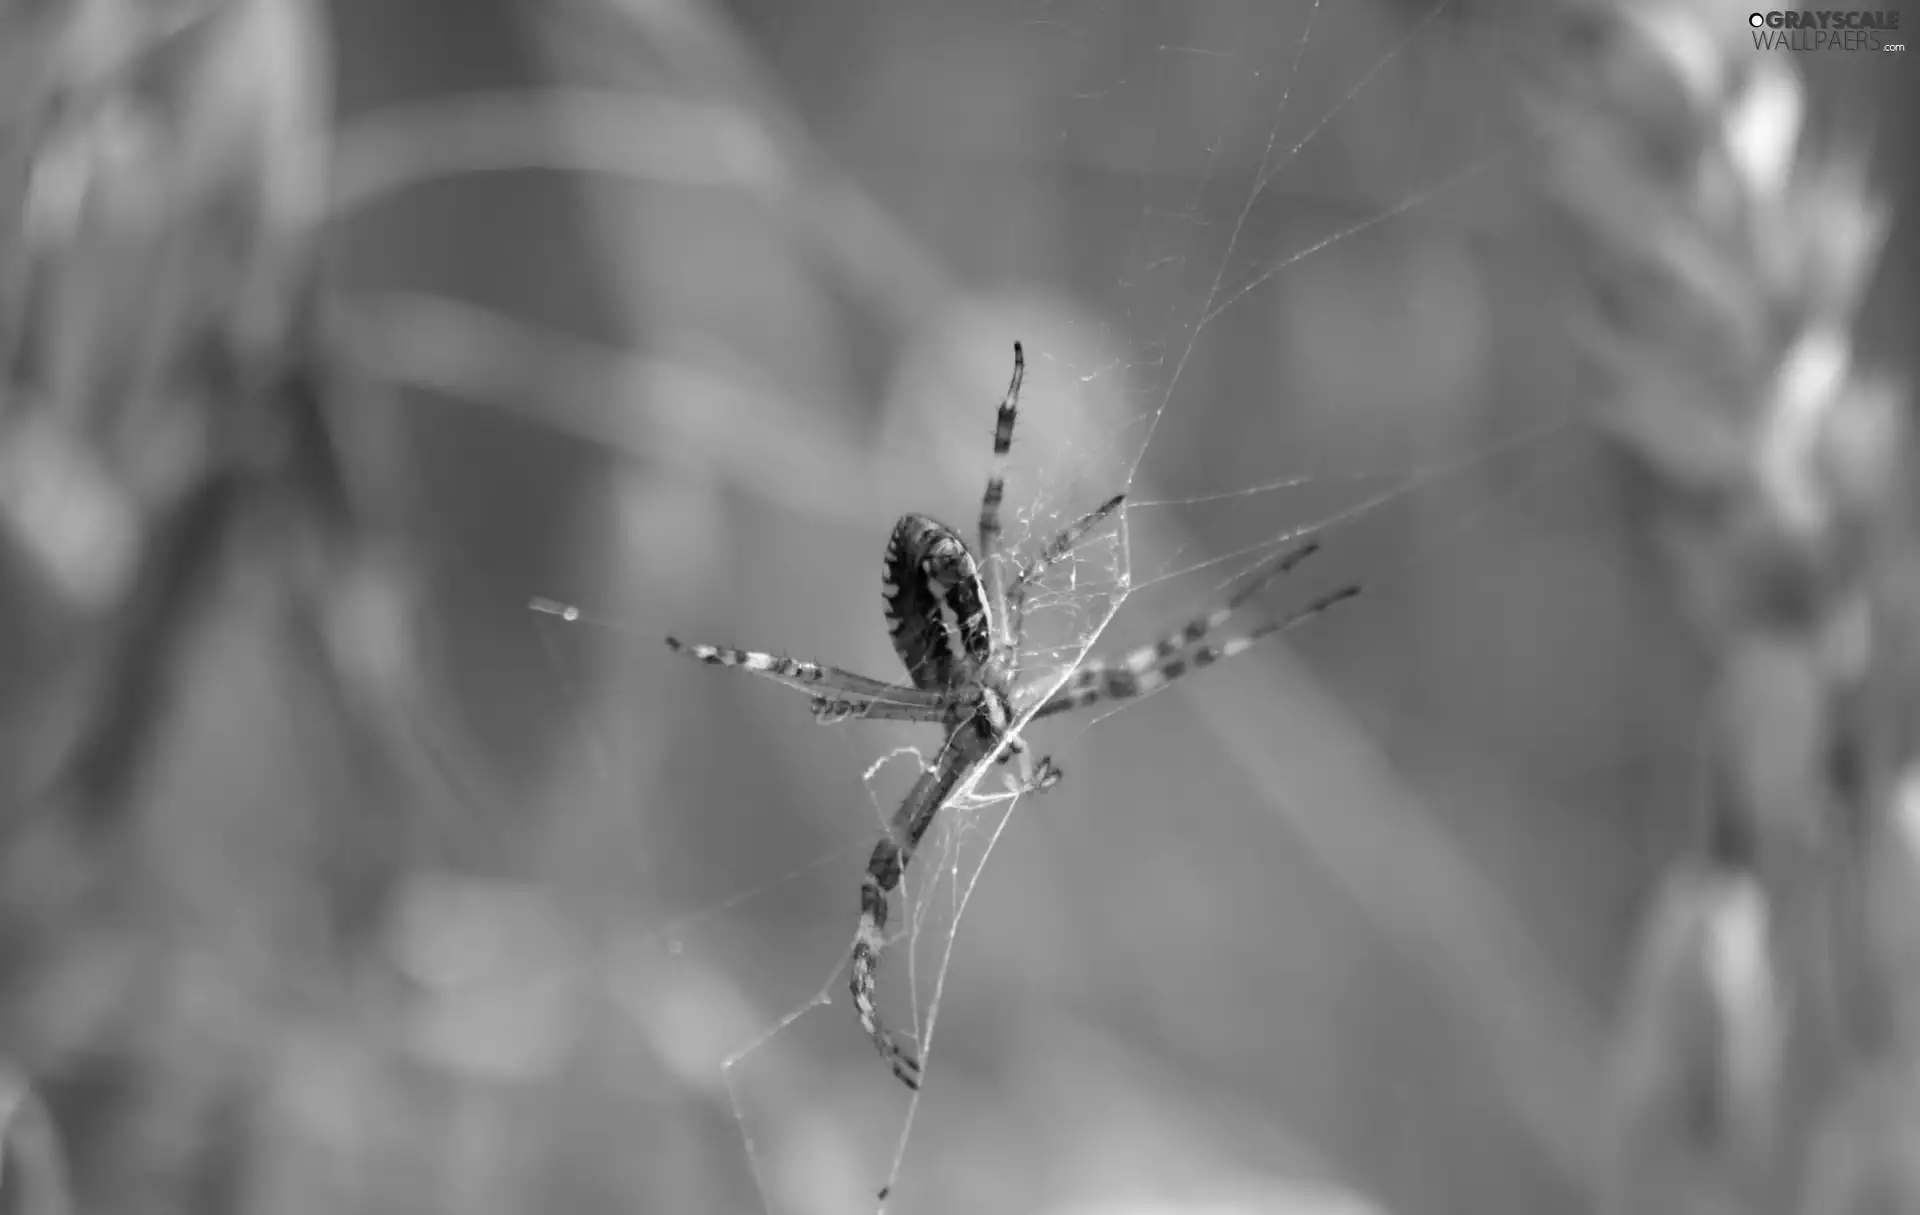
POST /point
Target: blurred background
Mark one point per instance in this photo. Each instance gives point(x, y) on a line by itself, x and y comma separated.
point(348, 342)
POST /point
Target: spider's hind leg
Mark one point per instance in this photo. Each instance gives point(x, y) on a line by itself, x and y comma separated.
point(964, 750)
point(883, 874)
point(885, 867)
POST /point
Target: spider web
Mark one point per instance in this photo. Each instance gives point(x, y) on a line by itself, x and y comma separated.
point(1272, 322)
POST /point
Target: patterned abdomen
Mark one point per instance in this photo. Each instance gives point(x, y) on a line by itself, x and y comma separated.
point(936, 606)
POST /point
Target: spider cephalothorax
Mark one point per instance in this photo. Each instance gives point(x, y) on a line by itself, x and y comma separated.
point(955, 615)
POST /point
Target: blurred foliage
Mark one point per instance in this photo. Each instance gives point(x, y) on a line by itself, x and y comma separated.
point(1767, 1058)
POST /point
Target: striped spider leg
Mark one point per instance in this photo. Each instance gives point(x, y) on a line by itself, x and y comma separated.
point(964, 749)
point(957, 621)
point(831, 685)
point(1152, 667)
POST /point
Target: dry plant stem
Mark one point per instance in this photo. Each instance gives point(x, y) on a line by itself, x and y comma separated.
point(1768, 1051)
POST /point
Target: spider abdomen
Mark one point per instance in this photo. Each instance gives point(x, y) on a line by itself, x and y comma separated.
point(936, 605)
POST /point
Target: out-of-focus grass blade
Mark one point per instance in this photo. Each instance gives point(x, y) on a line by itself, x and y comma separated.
point(33, 1169)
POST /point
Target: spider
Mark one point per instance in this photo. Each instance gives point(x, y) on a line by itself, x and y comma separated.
point(956, 618)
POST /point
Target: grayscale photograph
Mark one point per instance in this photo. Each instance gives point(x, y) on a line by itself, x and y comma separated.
point(959, 607)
